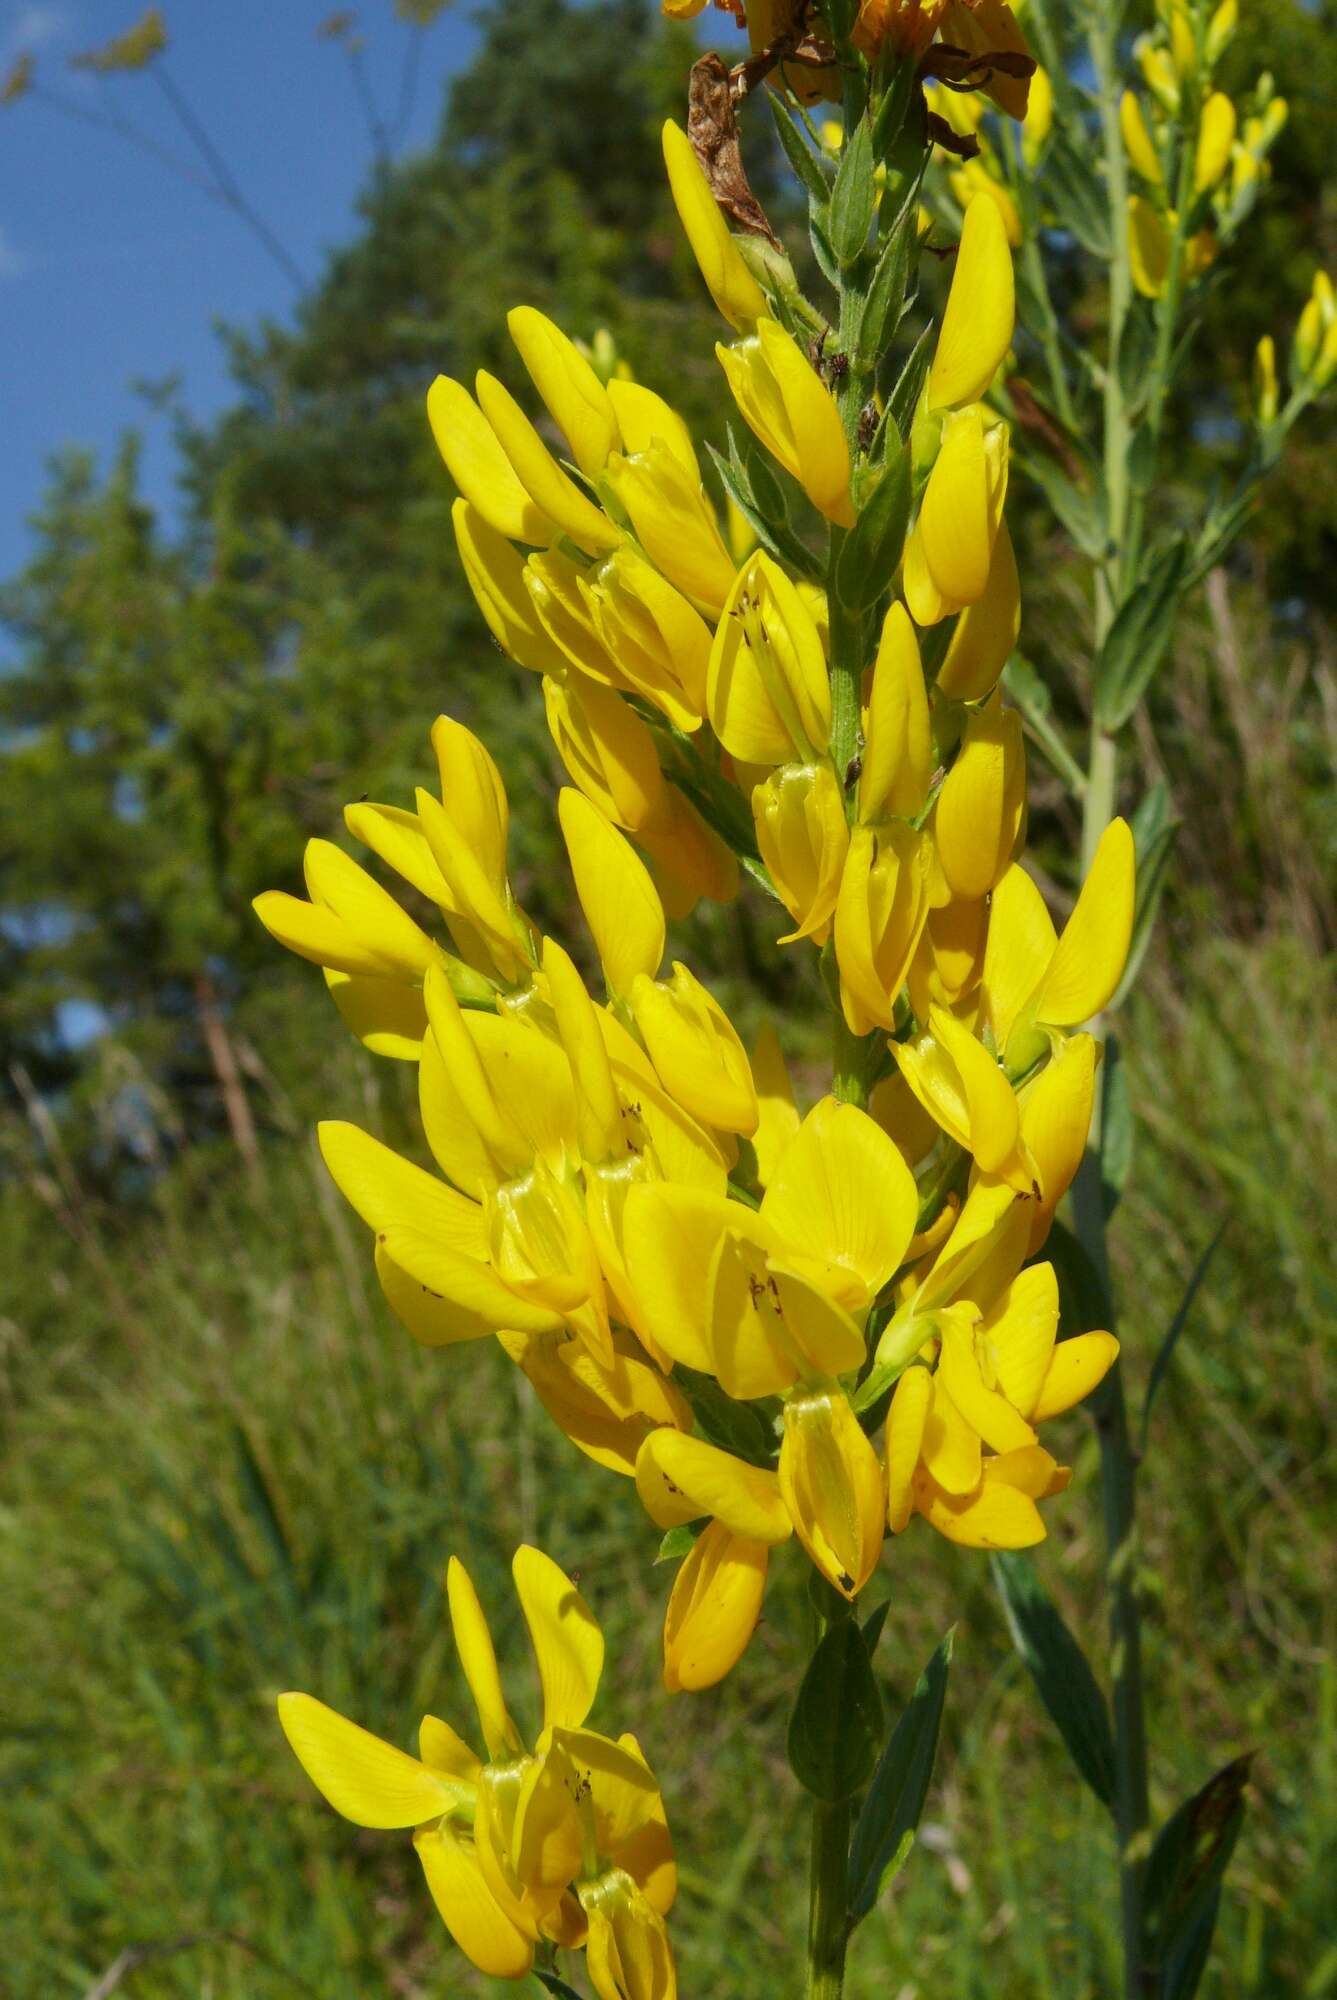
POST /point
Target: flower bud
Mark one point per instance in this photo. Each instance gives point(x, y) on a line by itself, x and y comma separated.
point(728, 280)
point(786, 404)
point(802, 835)
point(1216, 137)
point(832, 1485)
point(1137, 140)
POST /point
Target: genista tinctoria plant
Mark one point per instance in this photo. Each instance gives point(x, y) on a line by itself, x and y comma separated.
point(844, 1324)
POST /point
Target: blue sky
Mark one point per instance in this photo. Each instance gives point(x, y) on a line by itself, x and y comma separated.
point(112, 269)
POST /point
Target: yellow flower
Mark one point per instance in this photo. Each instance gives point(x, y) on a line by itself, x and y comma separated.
point(728, 280)
point(1216, 138)
point(564, 1842)
point(973, 178)
point(980, 810)
point(980, 318)
point(674, 522)
point(949, 558)
point(881, 909)
point(576, 399)
point(785, 402)
point(768, 692)
point(1039, 119)
point(802, 836)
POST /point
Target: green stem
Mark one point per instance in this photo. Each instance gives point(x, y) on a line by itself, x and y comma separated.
point(1118, 1462)
point(828, 1925)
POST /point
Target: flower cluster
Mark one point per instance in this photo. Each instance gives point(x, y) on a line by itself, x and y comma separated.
point(563, 1844)
point(779, 1325)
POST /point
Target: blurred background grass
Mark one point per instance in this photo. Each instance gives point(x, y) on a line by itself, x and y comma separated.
point(226, 1472)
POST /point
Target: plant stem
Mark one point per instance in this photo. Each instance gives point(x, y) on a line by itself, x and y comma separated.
point(828, 1926)
point(1118, 1462)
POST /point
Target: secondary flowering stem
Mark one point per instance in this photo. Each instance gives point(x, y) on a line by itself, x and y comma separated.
point(828, 1928)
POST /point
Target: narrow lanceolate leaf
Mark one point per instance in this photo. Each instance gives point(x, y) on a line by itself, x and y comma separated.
point(836, 1725)
point(891, 1811)
point(1060, 1670)
point(1183, 1882)
point(1154, 828)
point(871, 553)
point(555, 1985)
point(1165, 1352)
point(1033, 698)
point(776, 537)
point(1116, 1126)
point(905, 393)
point(1135, 643)
point(853, 198)
point(884, 306)
point(1077, 197)
point(873, 1623)
point(813, 172)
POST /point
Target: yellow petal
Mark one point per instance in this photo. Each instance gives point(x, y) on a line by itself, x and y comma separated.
point(621, 906)
point(1137, 139)
point(643, 417)
point(480, 468)
point(1216, 137)
point(473, 796)
point(470, 1299)
point(898, 745)
point(995, 1516)
point(371, 913)
point(387, 1190)
point(396, 837)
point(688, 857)
point(778, 1118)
point(387, 1017)
point(986, 631)
point(768, 689)
point(784, 401)
point(674, 523)
point(1020, 946)
point(495, 573)
point(802, 836)
point(1019, 1330)
point(1074, 1371)
point(1089, 959)
point(1032, 1470)
point(978, 818)
point(981, 311)
point(478, 1662)
point(469, 1910)
point(539, 473)
point(843, 1194)
point(568, 1645)
point(680, 1478)
point(599, 1113)
point(432, 1320)
point(949, 1447)
point(833, 1487)
point(628, 1956)
point(880, 914)
point(695, 1049)
point(728, 280)
point(1055, 1123)
point(670, 1236)
point(443, 1750)
point(906, 1421)
point(607, 749)
point(368, 1781)
point(984, 1409)
point(956, 525)
point(1148, 247)
point(713, 1609)
point(577, 400)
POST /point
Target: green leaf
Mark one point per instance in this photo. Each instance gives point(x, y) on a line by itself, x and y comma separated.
point(1183, 1881)
point(555, 1985)
point(1077, 197)
point(909, 386)
point(819, 237)
point(873, 1623)
point(1165, 1352)
point(679, 1542)
point(814, 173)
point(1036, 703)
point(895, 1800)
point(777, 537)
point(836, 1725)
point(1135, 643)
point(1082, 1298)
point(896, 101)
point(853, 198)
point(1116, 1126)
point(880, 314)
point(871, 552)
point(745, 1429)
point(1080, 514)
point(1060, 1669)
point(1154, 828)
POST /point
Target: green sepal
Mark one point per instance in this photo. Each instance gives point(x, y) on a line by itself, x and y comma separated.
point(836, 1725)
point(1060, 1669)
point(891, 1812)
point(1135, 644)
point(555, 1985)
point(679, 1542)
point(1183, 1881)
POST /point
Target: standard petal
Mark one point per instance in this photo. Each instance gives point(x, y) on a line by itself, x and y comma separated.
point(1019, 1332)
point(1074, 1371)
point(620, 901)
point(1019, 947)
point(368, 1781)
point(478, 1661)
point(542, 477)
point(577, 400)
point(388, 1191)
point(1088, 962)
point(843, 1194)
point(568, 1644)
point(480, 468)
point(984, 1409)
point(906, 1419)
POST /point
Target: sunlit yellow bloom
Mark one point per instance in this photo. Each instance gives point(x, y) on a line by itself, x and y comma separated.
point(351, 923)
point(1039, 119)
point(980, 318)
point(524, 1845)
point(606, 747)
point(785, 402)
point(645, 418)
point(713, 1609)
point(880, 912)
point(576, 399)
point(659, 644)
point(1158, 73)
point(981, 806)
point(674, 522)
point(695, 1049)
point(802, 835)
point(1265, 380)
point(950, 960)
point(1149, 245)
point(897, 759)
point(728, 280)
point(496, 574)
point(973, 178)
point(949, 556)
point(768, 690)
point(1221, 31)
point(479, 466)
point(833, 1487)
point(1137, 140)
point(1216, 137)
point(553, 491)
